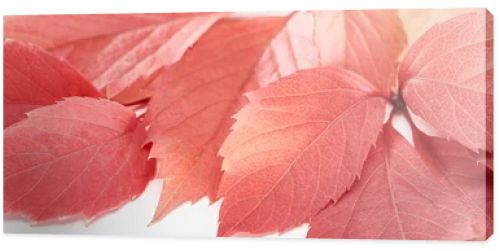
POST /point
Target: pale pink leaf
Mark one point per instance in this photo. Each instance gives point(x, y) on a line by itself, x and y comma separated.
point(469, 173)
point(372, 43)
point(402, 196)
point(447, 79)
point(366, 42)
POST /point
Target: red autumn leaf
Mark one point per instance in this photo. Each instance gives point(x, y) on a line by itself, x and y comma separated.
point(402, 196)
point(115, 61)
point(206, 86)
point(33, 78)
point(298, 144)
point(79, 157)
point(447, 79)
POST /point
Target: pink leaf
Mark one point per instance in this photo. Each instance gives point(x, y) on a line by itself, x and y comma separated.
point(49, 31)
point(468, 172)
point(370, 43)
point(366, 42)
point(205, 88)
point(447, 79)
point(118, 61)
point(79, 157)
point(298, 144)
point(400, 195)
point(33, 78)
point(192, 107)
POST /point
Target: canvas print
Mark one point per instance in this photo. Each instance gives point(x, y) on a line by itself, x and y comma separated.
point(359, 124)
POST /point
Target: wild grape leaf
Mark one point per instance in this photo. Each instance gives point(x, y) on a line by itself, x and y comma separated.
point(118, 61)
point(402, 196)
point(191, 109)
point(469, 172)
point(205, 88)
point(33, 78)
point(298, 144)
point(368, 43)
point(79, 157)
point(50, 31)
point(447, 79)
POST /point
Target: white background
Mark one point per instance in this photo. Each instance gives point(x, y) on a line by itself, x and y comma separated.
point(204, 215)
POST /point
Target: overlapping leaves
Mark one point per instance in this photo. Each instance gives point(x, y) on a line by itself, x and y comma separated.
point(283, 118)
